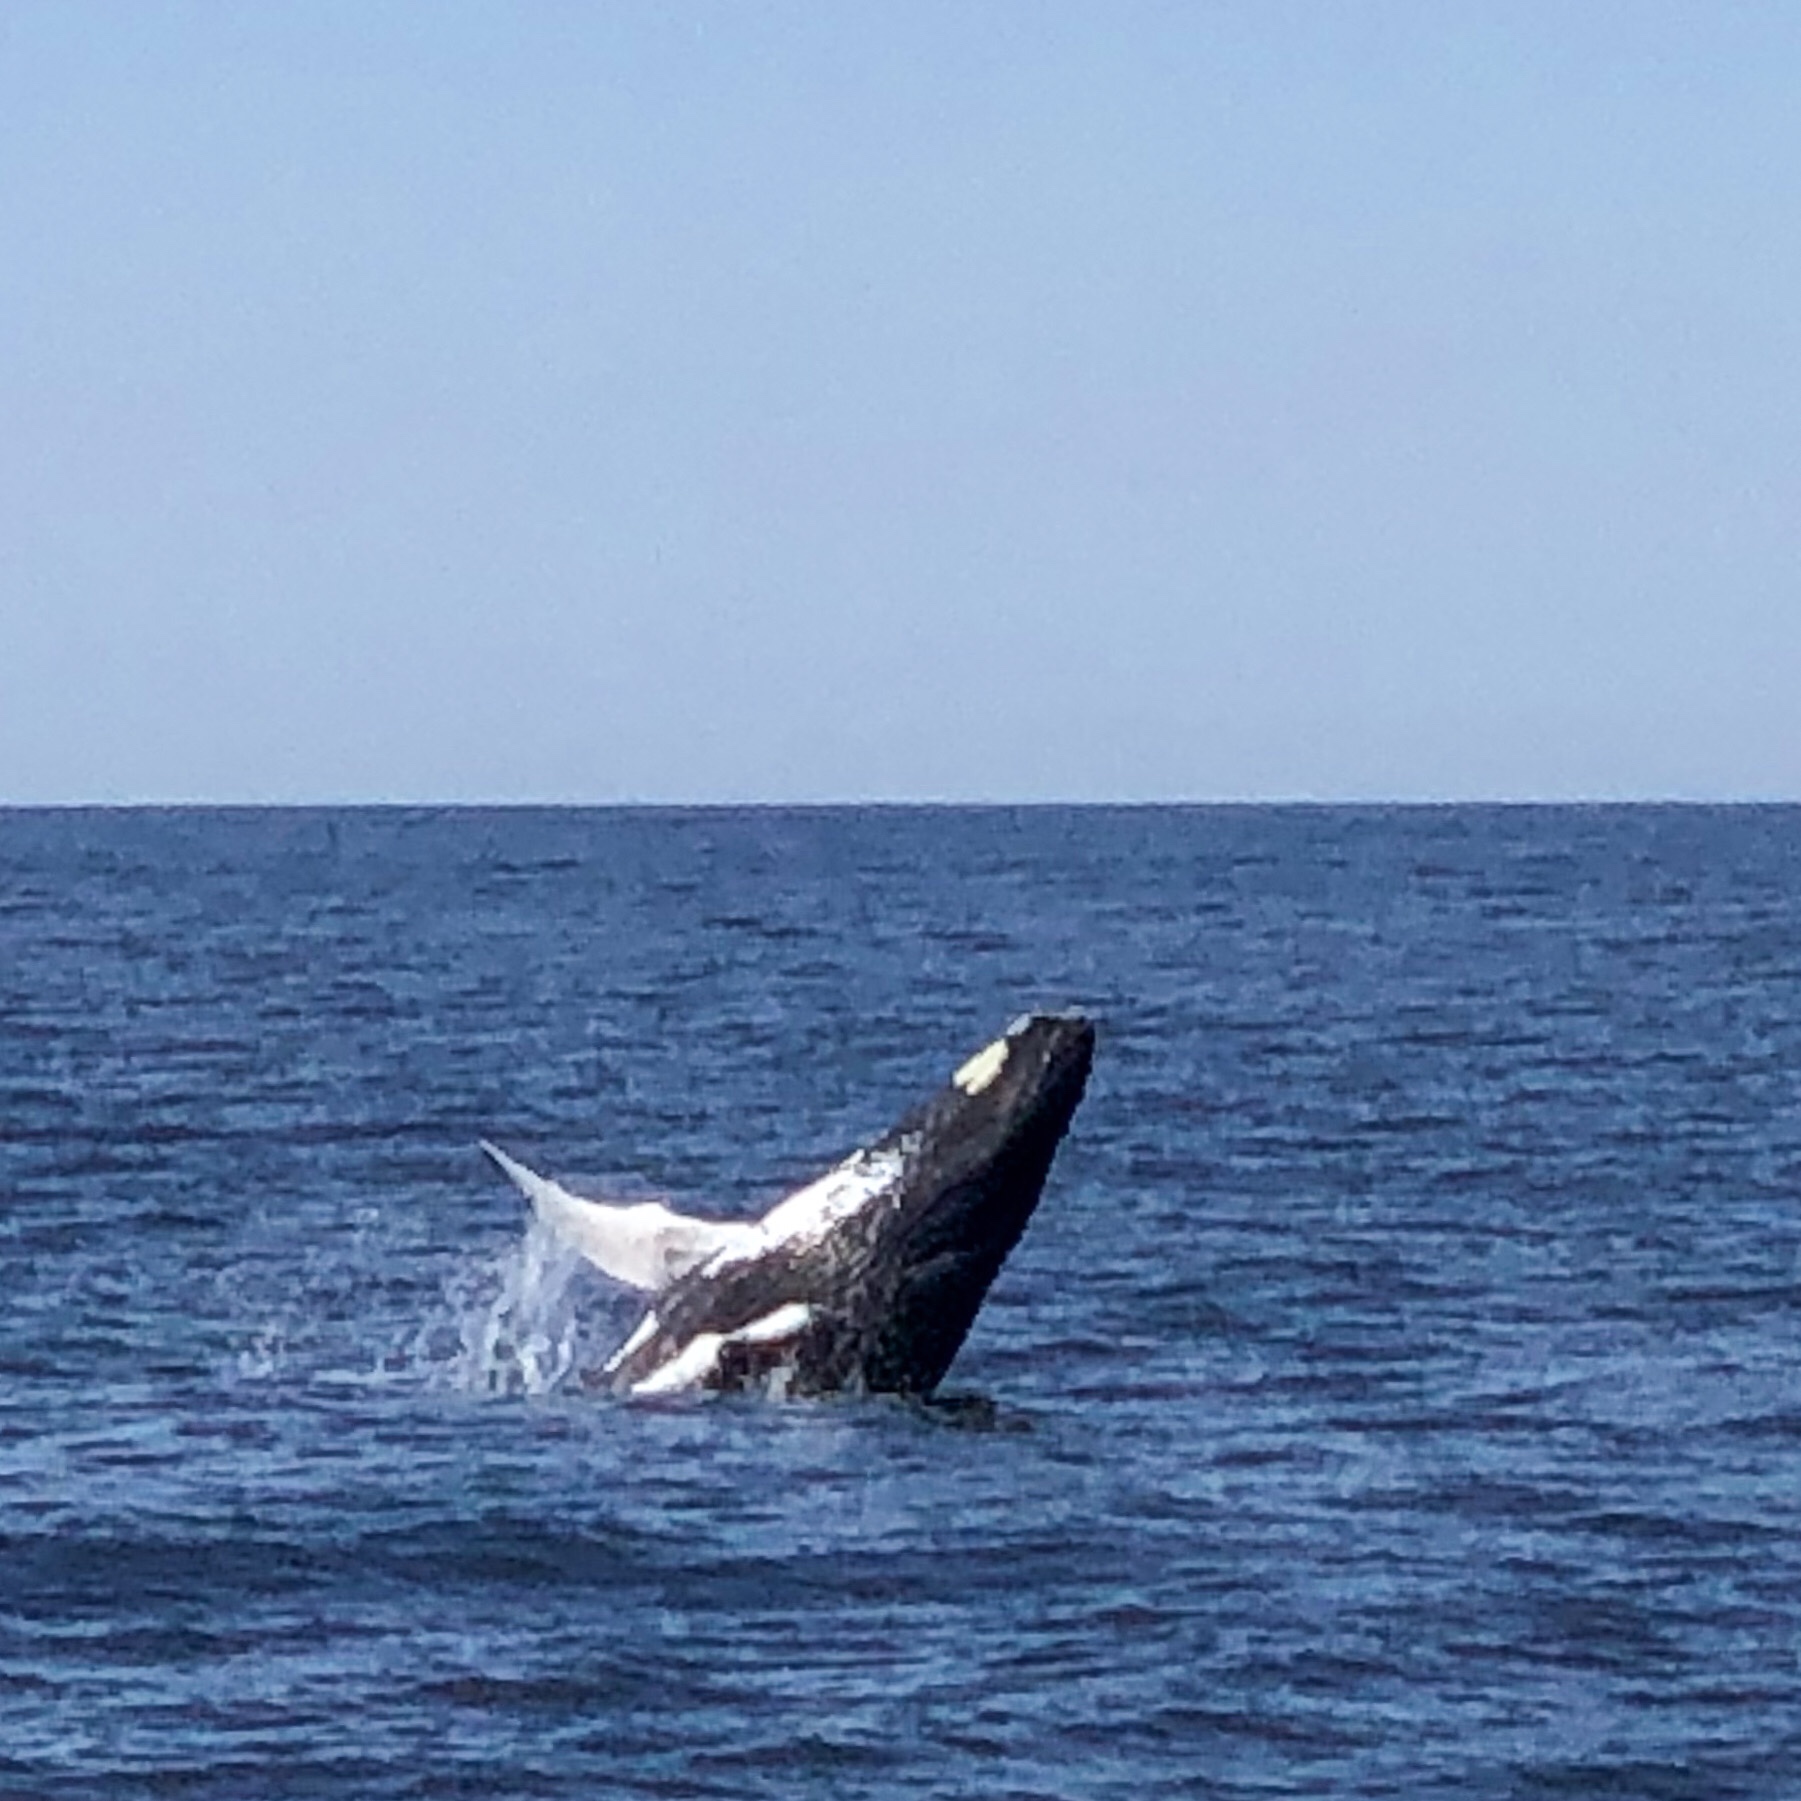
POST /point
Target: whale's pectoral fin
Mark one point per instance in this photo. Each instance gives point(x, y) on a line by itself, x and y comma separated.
point(644, 1245)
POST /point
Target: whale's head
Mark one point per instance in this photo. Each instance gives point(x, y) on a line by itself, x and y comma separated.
point(973, 1164)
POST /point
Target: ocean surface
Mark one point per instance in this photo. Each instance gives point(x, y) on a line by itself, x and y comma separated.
point(1398, 1392)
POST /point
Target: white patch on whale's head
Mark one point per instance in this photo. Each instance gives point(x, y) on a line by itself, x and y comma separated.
point(983, 1067)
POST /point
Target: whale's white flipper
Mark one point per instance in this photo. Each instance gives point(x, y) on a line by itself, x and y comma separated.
point(644, 1245)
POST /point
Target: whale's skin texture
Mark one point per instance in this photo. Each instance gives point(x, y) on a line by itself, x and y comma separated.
point(870, 1279)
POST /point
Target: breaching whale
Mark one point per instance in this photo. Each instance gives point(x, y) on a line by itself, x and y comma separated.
point(867, 1279)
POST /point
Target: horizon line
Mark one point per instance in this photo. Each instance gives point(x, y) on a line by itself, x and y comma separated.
point(1296, 802)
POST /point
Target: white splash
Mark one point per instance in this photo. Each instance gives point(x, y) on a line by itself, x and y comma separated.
point(261, 1359)
point(518, 1329)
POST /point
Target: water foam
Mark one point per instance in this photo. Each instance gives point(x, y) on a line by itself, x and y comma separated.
point(516, 1320)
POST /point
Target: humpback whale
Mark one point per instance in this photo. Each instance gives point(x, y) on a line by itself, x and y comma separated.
point(866, 1280)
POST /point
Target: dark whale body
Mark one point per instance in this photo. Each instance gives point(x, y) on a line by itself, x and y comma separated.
point(867, 1280)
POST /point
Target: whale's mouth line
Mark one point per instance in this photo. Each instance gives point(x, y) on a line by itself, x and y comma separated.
point(867, 1279)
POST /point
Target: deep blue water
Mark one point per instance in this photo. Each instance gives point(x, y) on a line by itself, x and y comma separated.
point(1398, 1392)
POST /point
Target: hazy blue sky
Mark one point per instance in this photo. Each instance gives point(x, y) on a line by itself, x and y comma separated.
point(597, 402)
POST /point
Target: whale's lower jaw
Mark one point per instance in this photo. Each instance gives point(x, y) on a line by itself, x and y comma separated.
point(871, 1280)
